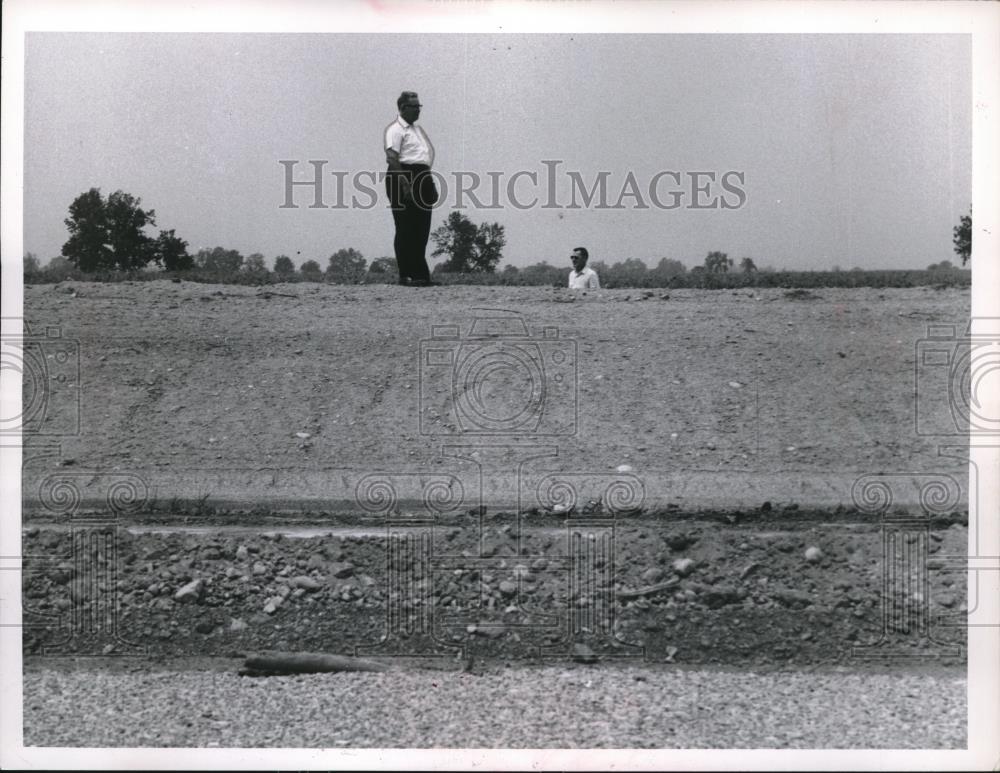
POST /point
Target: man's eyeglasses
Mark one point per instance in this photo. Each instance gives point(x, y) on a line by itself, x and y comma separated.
point(416, 106)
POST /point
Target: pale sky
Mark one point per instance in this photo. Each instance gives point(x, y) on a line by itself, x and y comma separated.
point(855, 149)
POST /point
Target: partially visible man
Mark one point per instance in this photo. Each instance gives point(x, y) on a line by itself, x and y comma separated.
point(410, 189)
point(581, 277)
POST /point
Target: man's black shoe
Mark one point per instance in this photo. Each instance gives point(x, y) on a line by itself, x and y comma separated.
point(406, 281)
point(425, 283)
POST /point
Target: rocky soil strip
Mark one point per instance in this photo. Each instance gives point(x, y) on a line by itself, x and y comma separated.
point(682, 592)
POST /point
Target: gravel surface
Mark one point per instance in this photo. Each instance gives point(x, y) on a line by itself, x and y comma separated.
point(551, 707)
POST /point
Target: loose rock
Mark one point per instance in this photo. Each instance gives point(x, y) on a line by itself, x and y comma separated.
point(307, 583)
point(814, 554)
point(583, 654)
point(790, 597)
point(652, 575)
point(748, 569)
point(341, 569)
point(683, 566)
point(679, 541)
point(721, 595)
point(189, 592)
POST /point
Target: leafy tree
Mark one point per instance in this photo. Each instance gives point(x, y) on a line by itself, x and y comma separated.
point(58, 268)
point(602, 268)
point(718, 263)
point(469, 248)
point(311, 271)
point(171, 252)
point(30, 263)
point(219, 260)
point(544, 273)
point(490, 241)
point(383, 266)
point(254, 265)
point(130, 247)
point(747, 266)
point(631, 272)
point(110, 234)
point(962, 237)
point(510, 270)
point(283, 267)
point(944, 265)
point(87, 247)
point(456, 239)
point(668, 269)
point(346, 265)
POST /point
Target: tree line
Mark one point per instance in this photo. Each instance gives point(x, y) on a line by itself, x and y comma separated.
point(108, 238)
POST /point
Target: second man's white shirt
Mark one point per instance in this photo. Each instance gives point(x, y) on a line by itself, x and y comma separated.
point(410, 142)
point(584, 280)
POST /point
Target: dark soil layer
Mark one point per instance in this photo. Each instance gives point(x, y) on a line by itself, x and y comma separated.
point(784, 591)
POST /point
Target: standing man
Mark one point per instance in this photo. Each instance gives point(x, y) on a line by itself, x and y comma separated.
point(581, 277)
point(410, 189)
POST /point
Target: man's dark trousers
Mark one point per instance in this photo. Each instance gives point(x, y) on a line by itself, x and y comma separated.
point(412, 218)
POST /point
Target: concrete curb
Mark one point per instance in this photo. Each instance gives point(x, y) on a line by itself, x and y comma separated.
point(458, 489)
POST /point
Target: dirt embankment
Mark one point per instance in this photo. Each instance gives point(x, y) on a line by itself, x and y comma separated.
point(181, 400)
point(296, 393)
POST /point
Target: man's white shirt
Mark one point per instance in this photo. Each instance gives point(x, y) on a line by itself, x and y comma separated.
point(584, 280)
point(410, 141)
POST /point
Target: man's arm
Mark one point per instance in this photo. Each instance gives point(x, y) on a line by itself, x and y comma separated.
point(392, 159)
point(593, 282)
